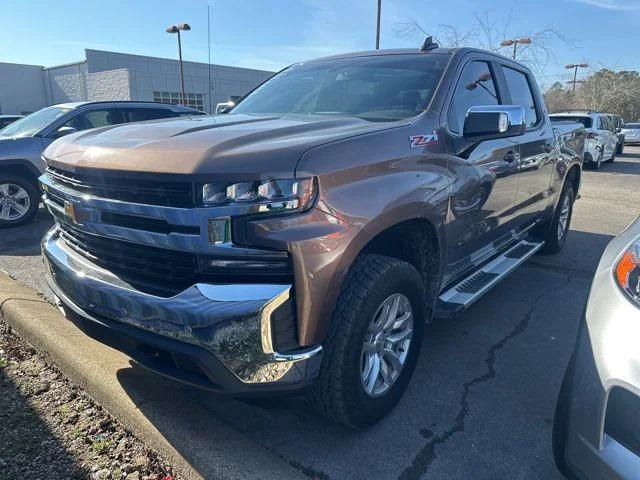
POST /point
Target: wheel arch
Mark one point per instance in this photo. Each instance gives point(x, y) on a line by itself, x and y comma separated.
point(22, 168)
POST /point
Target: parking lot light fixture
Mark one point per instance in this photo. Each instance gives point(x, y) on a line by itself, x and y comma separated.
point(575, 67)
point(176, 29)
point(515, 41)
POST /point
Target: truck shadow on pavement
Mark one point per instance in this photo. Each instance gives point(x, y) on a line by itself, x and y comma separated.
point(25, 239)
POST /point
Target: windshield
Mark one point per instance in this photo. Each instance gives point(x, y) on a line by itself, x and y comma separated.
point(586, 121)
point(375, 88)
point(632, 126)
point(32, 124)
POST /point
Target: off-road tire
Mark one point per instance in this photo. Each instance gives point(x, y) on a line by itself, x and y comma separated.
point(553, 243)
point(34, 199)
point(338, 392)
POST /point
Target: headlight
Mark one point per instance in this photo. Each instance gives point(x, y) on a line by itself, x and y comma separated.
point(628, 272)
point(271, 195)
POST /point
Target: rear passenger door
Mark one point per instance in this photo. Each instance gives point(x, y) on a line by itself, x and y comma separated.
point(536, 147)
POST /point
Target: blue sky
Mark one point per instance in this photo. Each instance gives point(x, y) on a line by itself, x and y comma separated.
point(271, 34)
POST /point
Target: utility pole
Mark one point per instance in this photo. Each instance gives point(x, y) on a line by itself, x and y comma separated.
point(515, 42)
point(575, 80)
point(176, 29)
point(378, 28)
point(209, 57)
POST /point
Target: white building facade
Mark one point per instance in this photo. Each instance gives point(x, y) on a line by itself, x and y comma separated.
point(120, 76)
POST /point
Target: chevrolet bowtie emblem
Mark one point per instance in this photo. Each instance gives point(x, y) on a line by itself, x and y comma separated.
point(70, 211)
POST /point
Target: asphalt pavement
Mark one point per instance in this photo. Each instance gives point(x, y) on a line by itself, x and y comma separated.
point(481, 402)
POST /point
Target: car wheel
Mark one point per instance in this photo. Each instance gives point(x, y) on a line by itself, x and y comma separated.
point(558, 230)
point(19, 200)
point(373, 343)
point(598, 162)
point(561, 422)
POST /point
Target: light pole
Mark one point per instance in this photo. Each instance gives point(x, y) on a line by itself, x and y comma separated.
point(575, 67)
point(176, 29)
point(515, 42)
point(378, 27)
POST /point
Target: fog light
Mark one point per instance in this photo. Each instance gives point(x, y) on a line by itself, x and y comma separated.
point(277, 264)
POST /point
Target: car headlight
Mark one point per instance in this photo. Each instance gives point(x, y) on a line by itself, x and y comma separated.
point(627, 272)
point(272, 195)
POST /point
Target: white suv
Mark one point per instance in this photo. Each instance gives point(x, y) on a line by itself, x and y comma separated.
point(602, 142)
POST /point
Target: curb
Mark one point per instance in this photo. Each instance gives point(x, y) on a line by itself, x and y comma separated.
point(160, 412)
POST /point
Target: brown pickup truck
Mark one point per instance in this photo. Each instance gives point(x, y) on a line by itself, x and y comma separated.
point(302, 240)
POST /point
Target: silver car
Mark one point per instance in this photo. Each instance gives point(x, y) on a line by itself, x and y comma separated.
point(23, 141)
point(631, 133)
point(596, 431)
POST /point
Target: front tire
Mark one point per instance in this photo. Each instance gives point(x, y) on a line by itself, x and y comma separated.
point(373, 343)
point(19, 200)
point(556, 235)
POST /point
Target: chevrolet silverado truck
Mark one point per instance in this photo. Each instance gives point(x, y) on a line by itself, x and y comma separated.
point(302, 240)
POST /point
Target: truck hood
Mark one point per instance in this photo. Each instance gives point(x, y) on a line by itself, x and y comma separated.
point(236, 146)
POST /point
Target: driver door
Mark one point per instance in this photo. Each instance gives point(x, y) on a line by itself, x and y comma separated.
point(483, 196)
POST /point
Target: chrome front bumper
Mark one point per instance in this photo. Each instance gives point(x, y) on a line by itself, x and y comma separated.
point(230, 322)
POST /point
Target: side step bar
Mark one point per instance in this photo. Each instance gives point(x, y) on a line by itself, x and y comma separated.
point(459, 297)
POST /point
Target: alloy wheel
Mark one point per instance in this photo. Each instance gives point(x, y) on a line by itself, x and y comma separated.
point(563, 217)
point(386, 344)
point(14, 202)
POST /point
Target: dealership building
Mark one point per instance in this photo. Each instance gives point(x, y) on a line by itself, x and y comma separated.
point(119, 76)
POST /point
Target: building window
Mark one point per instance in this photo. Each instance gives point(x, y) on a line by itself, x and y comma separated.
point(193, 100)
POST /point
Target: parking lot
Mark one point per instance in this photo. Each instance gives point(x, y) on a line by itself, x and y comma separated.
point(481, 402)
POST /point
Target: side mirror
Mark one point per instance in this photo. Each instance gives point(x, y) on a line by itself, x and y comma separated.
point(494, 121)
point(64, 130)
point(224, 107)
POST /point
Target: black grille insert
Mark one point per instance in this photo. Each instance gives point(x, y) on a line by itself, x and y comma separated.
point(152, 270)
point(129, 187)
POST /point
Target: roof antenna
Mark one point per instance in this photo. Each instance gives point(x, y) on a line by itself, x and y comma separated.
point(429, 44)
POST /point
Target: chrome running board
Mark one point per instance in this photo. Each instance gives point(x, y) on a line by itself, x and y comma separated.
point(459, 297)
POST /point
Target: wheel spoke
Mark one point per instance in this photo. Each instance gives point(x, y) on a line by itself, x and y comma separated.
point(393, 313)
point(385, 373)
point(5, 212)
point(20, 194)
point(21, 209)
point(393, 359)
point(374, 371)
point(399, 337)
point(4, 190)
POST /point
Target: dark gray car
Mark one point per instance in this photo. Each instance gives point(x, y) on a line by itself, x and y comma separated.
point(597, 423)
point(23, 141)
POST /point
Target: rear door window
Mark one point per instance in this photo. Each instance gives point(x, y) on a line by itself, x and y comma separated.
point(521, 94)
point(476, 87)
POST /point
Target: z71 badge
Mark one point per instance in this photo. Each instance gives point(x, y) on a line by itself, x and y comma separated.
point(423, 140)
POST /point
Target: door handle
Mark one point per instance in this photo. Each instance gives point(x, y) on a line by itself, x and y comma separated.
point(511, 156)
